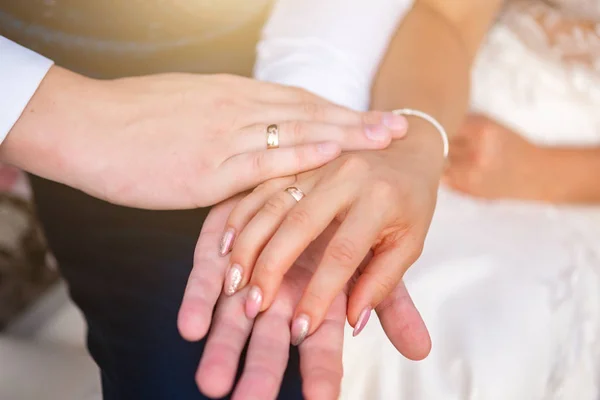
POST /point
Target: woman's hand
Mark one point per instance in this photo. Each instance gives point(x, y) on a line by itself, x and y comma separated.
point(181, 140)
point(489, 160)
point(268, 350)
point(384, 201)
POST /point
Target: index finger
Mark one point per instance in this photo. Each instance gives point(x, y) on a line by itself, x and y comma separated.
point(206, 278)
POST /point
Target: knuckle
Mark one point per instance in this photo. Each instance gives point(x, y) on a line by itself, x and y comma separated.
point(383, 191)
point(383, 284)
point(234, 329)
point(273, 185)
point(314, 111)
point(262, 188)
point(261, 165)
point(342, 251)
point(312, 298)
point(197, 289)
point(297, 131)
point(353, 165)
point(267, 266)
point(299, 217)
point(276, 205)
point(415, 249)
point(268, 375)
point(225, 103)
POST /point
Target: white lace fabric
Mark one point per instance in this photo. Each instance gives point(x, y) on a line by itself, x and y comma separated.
point(565, 31)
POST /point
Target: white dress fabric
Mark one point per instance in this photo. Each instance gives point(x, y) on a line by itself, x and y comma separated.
point(509, 290)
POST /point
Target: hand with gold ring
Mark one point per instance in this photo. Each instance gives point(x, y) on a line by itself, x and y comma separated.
point(267, 336)
point(384, 201)
point(181, 140)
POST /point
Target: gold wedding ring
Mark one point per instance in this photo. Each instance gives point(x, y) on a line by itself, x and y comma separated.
point(272, 137)
point(296, 193)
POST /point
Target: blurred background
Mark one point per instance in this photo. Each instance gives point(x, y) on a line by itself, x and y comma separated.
point(42, 336)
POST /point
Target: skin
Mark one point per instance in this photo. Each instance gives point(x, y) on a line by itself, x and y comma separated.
point(384, 199)
point(491, 161)
point(431, 75)
point(180, 140)
point(269, 335)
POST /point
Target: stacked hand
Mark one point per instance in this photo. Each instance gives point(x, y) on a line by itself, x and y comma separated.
point(269, 333)
point(341, 249)
point(181, 140)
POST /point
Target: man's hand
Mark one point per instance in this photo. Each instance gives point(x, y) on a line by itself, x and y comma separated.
point(181, 140)
point(320, 354)
point(384, 201)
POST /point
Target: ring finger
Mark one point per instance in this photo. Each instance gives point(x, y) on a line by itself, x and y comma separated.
point(286, 241)
point(359, 136)
point(255, 235)
point(247, 208)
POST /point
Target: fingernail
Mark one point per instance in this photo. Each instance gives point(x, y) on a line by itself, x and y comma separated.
point(363, 318)
point(395, 122)
point(328, 148)
point(226, 242)
point(300, 328)
point(253, 302)
point(233, 278)
point(377, 132)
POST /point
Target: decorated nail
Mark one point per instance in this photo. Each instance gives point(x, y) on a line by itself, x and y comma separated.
point(363, 318)
point(300, 328)
point(233, 278)
point(226, 242)
point(253, 302)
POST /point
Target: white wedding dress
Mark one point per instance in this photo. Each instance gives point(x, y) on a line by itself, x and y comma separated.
point(510, 291)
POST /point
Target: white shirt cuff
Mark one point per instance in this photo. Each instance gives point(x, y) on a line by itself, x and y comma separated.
point(332, 48)
point(21, 72)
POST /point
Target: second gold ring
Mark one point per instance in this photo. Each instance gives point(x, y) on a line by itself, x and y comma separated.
point(296, 193)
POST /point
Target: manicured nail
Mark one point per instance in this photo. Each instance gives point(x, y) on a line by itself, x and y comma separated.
point(328, 148)
point(226, 242)
point(395, 122)
point(254, 302)
point(363, 318)
point(233, 278)
point(300, 328)
point(377, 132)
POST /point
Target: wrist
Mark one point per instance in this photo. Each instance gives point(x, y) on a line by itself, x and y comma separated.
point(52, 136)
point(424, 142)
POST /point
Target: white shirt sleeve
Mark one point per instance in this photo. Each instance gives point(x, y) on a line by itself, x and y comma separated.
point(21, 72)
point(329, 47)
